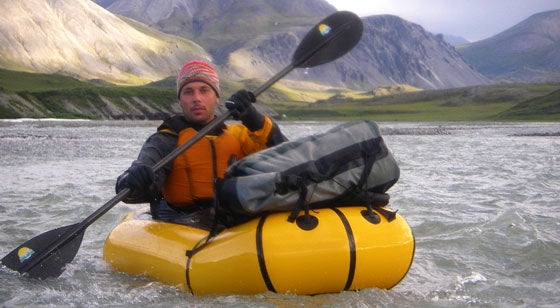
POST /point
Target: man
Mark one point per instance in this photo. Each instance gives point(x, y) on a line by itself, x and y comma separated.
point(184, 188)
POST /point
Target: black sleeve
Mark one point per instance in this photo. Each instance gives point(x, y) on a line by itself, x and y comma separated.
point(276, 136)
point(154, 150)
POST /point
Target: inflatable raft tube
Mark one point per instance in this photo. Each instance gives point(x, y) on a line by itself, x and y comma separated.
point(344, 251)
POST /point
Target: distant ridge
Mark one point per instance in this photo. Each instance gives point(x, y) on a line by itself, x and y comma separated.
point(454, 40)
point(527, 52)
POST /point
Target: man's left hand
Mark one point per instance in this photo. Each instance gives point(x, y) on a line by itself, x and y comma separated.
point(241, 105)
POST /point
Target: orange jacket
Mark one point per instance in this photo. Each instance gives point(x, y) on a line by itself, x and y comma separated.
point(190, 177)
point(193, 173)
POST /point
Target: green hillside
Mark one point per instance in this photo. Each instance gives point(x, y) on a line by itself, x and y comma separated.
point(504, 102)
point(13, 82)
point(42, 95)
point(545, 107)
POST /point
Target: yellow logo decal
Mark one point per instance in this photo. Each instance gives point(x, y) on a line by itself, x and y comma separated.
point(324, 29)
point(25, 253)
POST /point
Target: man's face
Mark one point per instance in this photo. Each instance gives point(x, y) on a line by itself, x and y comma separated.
point(198, 101)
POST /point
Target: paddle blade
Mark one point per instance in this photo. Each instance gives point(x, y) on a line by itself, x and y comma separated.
point(330, 39)
point(46, 255)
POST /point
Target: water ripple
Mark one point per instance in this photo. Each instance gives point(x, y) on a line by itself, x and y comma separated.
point(481, 198)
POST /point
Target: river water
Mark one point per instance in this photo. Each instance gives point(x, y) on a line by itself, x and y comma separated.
point(482, 199)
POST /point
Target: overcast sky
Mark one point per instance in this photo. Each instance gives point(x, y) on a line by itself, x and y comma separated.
point(471, 19)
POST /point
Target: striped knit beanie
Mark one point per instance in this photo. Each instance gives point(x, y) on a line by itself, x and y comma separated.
point(198, 71)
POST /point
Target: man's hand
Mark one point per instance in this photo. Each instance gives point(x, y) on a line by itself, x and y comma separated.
point(138, 178)
point(241, 105)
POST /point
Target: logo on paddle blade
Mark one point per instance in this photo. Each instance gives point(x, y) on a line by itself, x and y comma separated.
point(25, 253)
point(324, 29)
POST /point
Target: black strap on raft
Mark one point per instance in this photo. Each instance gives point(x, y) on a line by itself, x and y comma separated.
point(372, 202)
point(372, 216)
point(198, 247)
point(291, 182)
point(217, 227)
point(202, 242)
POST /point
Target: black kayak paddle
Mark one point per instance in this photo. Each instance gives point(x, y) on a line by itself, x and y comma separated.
point(47, 254)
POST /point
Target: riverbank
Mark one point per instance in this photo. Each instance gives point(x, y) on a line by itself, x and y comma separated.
point(26, 95)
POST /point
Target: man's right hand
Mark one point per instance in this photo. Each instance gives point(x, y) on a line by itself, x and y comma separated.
point(138, 177)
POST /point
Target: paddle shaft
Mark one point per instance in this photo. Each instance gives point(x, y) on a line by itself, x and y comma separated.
point(77, 230)
point(180, 149)
point(212, 125)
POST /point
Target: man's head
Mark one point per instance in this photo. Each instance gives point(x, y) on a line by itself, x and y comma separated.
point(198, 70)
point(198, 89)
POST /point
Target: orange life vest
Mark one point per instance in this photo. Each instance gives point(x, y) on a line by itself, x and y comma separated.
point(194, 171)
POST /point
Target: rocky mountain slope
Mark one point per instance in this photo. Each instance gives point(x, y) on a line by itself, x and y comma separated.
point(219, 24)
point(394, 51)
point(253, 38)
point(80, 38)
point(528, 52)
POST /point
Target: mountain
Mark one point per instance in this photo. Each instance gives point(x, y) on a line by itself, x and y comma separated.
point(254, 38)
point(526, 52)
point(455, 40)
point(250, 39)
point(80, 38)
point(222, 24)
point(394, 51)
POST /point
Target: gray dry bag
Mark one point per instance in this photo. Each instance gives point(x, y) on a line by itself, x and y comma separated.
point(347, 165)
